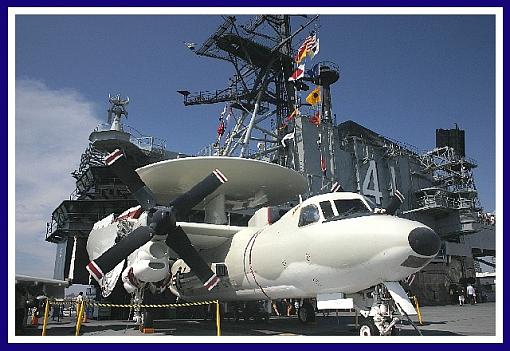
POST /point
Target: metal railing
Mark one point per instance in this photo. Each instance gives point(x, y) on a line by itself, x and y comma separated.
point(445, 201)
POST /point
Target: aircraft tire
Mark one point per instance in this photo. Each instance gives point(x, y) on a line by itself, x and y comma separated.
point(306, 313)
point(368, 328)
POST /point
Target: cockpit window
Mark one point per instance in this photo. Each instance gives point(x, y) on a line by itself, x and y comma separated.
point(309, 214)
point(348, 206)
point(327, 210)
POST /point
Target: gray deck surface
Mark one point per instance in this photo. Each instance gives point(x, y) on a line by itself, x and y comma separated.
point(475, 320)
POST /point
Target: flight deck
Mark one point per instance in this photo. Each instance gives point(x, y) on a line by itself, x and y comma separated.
point(450, 320)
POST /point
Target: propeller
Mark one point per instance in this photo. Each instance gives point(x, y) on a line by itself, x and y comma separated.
point(395, 202)
point(161, 220)
point(336, 187)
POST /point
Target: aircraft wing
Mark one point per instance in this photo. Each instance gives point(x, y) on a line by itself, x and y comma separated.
point(208, 236)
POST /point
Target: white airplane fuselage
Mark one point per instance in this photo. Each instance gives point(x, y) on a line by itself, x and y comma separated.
point(332, 254)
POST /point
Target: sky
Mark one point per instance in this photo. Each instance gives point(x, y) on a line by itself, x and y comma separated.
point(401, 76)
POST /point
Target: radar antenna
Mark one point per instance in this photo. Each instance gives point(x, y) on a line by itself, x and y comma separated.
point(116, 110)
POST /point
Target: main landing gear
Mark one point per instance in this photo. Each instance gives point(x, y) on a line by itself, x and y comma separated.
point(306, 312)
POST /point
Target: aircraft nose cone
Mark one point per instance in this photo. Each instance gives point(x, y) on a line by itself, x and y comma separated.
point(424, 241)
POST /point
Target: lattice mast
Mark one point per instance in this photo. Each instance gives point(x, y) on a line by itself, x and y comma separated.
point(259, 96)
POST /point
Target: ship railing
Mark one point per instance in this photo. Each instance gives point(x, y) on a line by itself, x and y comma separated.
point(208, 150)
point(49, 227)
point(405, 146)
point(227, 94)
point(444, 201)
point(102, 127)
point(149, 143)
point(144, 142)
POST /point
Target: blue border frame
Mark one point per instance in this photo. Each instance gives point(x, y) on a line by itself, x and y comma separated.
point(209, 3)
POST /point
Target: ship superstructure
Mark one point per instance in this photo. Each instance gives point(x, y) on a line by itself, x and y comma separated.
point(272, 111)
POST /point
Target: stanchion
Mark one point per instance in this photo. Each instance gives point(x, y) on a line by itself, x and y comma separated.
point(35, 320)
point(418, 309)
point(46, 314)
point(79, 320)
point(84, 312)
point(356, 321)
point(218, 318)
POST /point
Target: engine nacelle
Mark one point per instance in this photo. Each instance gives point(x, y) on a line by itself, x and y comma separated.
point(148, 264)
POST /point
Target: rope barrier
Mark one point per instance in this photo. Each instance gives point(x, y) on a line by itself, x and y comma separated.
point(169, 305)
point(62, 302)
point(81, 308)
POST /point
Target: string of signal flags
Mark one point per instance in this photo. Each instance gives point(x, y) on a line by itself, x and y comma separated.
point(309, 48)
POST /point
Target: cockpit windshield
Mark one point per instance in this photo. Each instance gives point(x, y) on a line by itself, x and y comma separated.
point(309, 214)
point(343, 208)
point(346, 207)
point(371, 204)
point(327, 209)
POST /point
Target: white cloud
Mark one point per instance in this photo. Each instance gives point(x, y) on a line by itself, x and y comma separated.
point(52, 129)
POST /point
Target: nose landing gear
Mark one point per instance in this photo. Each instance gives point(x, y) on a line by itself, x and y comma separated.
point(381, 318)
point(368, 328)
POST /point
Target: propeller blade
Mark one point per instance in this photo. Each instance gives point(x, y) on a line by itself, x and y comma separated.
point(118, 163)
point(336, 187)
point(178, 241)
point(396, 201)
point(115, 254)
point(184, 203)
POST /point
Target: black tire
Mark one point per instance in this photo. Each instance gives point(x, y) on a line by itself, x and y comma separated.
point(368, 328)
point(306, 313)
point(262, 317)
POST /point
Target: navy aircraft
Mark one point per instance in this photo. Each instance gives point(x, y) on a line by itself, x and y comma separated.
point(331, 248)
